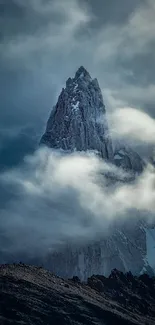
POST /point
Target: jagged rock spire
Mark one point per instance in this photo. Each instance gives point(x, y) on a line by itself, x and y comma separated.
point(78, 121)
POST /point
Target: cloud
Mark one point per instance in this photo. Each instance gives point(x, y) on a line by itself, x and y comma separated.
point(56, 198)
point(52, 198)
point(133, 124)
point(140, 95)
point(132, 38)
point(55, 35)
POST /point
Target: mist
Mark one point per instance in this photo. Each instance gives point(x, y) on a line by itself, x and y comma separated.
point(57, 198)
point(128, 122)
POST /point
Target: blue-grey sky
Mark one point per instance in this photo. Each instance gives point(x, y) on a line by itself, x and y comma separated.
point(43, 42)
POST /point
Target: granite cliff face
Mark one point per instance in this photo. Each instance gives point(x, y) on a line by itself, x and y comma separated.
point(78, 122)
point(125, 249)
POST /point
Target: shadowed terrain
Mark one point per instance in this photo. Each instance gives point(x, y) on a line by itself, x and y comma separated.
point(32, 295)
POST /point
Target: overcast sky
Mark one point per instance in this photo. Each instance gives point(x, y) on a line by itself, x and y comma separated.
point(43, 42)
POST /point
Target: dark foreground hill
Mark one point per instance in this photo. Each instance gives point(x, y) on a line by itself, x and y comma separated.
point(33, 296)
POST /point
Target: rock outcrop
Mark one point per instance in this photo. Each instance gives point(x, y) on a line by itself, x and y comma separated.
point(129, 160)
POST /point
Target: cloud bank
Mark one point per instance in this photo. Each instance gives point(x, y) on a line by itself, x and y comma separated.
point(57, 198)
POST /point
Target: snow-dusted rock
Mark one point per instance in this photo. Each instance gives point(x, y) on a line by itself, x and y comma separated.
point(78, 121)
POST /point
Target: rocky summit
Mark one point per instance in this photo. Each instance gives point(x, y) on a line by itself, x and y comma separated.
point(78, 122)
point(32, 295)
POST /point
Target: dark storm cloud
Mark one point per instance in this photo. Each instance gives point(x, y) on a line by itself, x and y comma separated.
point(44, 42)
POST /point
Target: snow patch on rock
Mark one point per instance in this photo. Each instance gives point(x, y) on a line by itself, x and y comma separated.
point(75, 106)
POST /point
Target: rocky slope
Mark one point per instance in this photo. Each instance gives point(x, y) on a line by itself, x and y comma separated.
point(31, 295)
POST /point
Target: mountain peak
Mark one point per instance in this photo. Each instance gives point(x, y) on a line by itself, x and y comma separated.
point(78, 120)
point(82, 72)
